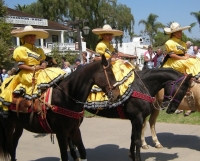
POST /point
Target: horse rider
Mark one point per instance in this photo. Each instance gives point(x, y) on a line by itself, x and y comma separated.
point(33, 76)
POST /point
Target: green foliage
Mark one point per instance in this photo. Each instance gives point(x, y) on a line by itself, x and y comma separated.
point(196, 15)
point(160, 39)
point(151, 26)
point(70, 57)
point(98, 13)
point(5, 34)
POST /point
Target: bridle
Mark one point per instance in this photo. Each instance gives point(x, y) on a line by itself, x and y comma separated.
point(109, 92)
point(171, 97)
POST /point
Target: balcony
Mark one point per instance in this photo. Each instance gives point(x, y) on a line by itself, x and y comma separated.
point(65, 46)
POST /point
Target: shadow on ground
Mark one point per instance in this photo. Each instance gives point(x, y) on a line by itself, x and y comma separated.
point(47, 159)
point(170, 140)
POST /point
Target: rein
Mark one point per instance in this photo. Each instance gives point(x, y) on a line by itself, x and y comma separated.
point(170, 97)
point(108, 92)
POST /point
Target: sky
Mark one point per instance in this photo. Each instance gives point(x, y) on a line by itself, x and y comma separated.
point(167, 11)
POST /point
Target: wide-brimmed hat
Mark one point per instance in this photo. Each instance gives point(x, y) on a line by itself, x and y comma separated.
point(174, 27)
point(107, 29)
point(29, 30)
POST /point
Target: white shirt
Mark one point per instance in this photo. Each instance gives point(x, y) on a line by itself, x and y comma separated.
point(198, 55)
point(67, 70)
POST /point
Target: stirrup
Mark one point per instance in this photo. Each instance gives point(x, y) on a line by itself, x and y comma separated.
point(3, 113)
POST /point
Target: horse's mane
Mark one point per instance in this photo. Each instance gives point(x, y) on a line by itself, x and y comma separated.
point(148, 72)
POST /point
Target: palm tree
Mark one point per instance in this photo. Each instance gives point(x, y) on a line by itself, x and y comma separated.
point(151, 26)
point(192, 25)
point(197, 16)
point(20, 8)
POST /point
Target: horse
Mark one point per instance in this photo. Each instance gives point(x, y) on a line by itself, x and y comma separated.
point(63, 114)
point(145, 86)
point(191, 101)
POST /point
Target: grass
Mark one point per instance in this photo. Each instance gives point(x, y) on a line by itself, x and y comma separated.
point(193, 118)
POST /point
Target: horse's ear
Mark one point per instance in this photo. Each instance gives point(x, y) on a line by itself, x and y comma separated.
point(104, 61)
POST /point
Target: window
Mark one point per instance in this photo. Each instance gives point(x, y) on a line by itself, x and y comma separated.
point(54, 38)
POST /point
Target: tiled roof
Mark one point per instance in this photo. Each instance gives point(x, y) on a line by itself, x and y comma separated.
point(51, 24)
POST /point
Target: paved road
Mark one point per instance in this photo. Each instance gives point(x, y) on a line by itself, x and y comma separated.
point(109, 140)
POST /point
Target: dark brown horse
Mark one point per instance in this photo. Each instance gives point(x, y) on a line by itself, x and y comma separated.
point(68, 97)
point(140, 105)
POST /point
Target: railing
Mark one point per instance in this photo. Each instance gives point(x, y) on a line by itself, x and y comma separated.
point(66, 46)
point(62, 46)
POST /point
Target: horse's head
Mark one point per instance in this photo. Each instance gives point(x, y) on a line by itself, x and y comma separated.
point(106, 80)
point(174, 92)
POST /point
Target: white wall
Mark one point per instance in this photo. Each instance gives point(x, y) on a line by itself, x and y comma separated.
point(136, 47)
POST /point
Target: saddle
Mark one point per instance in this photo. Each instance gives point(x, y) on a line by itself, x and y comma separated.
point(20, 104)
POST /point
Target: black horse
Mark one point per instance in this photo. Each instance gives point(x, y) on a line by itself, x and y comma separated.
point(68, 97)
point(146, 85)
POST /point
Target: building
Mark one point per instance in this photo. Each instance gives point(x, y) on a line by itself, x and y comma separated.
point(136, 47)
point(57, 31)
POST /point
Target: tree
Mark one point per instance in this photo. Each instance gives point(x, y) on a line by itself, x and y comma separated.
point(160, 39)
point(21, 8)
point(97, 12)
point(5, 34)
point(197, 16)
point(192, 25)
point(151, 26)
point(100, 12)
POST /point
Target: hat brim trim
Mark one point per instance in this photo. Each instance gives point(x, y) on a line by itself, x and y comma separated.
point(101, 32)
point(168, 30)
point(39, 34)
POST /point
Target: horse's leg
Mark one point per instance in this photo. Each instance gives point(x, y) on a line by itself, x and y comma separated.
point(17, 134)
point(62, 138)
point(144, 144)
point(77, 140)
point(136, 142)
point(9, 127)
point(152, 123)
point(4, 154)
point(72, 148)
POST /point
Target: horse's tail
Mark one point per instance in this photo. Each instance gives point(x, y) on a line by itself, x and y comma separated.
point(4, 154)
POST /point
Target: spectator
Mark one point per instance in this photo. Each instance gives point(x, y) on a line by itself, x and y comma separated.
point(149, 58)
point(13, 70)
point(85, 57)
point(9, 73)
point(190, 50)
point(4, 75)
point(78, 64)
point(158, 59)
point(91, 57)
point(196, 51)
point(67, 68)
point(63, 60)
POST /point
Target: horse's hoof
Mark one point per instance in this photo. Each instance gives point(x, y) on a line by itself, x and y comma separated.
point(145, 147)
point(78, 159)
point(158, 146)
point(129, 155)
